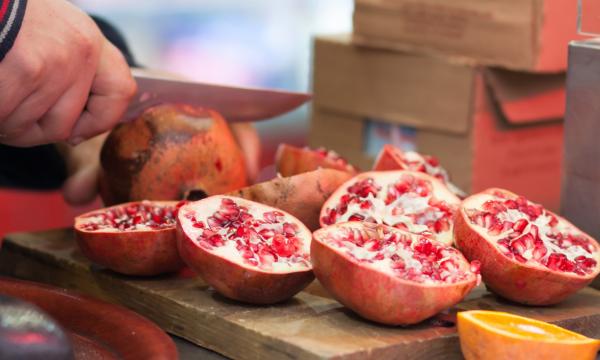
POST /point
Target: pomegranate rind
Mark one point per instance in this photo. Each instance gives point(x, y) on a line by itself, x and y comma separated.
point(301, 195)
point(130, 252)
point(525, 283)
point(168, 150)
point(376, 295)
point(440, 191)
point(291, 160)
point(236, 280)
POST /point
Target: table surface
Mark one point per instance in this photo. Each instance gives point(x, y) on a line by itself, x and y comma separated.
point(188, 350)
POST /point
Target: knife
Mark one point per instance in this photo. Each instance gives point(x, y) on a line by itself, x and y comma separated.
point(236, 104)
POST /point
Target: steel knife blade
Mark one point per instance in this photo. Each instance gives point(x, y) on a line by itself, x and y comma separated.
point(236, 104)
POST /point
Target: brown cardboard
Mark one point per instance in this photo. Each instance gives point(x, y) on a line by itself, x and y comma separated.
point(519, 149)
point(529, 35)
point(372, 83)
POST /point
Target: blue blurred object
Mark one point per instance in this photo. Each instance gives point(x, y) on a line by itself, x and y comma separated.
point(376, 134)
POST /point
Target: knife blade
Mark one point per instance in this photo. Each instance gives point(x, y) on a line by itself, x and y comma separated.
point(236, 104)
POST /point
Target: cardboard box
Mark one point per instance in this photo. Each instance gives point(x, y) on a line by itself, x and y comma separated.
point(487, 127)
point(529, 35)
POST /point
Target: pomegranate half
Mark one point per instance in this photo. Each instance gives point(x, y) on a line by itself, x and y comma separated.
point(528, 254)
point(291, 160)
point(406, 200)
point(392, 158)
point(301, 195)
point(136, 238)
point(168, 150)
point(388, 275)
point(245, 250)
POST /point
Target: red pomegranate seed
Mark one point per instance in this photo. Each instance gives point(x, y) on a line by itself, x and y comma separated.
point(432, 160)
point(356, 217)
point(282, 247)
point(520, 225)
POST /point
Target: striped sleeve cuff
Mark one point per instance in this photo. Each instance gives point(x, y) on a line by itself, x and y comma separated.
point(11, 16)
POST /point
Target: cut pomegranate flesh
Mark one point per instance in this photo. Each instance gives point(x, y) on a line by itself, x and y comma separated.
point(528, 233)
point(402, 254)
point(137, 216)
point(248, 238)
point(528, 254)
point(135, 238)
point(403, 199)
point(332, 156)
point(392, 158)
point(262, 239)
point(406, 277)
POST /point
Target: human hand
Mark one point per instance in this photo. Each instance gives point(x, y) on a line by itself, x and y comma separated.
point(62, 80)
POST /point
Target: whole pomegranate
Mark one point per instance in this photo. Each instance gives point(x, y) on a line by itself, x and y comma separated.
point(301, 195)
point(245, 250)
point(388, 275)
point(407, 200)
point(291, 160)
point(528, 254)
point(392, 158)
point(168, 150)
point(136, 238)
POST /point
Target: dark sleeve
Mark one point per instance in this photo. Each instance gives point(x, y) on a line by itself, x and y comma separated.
point(11, 17)
point(41, 167)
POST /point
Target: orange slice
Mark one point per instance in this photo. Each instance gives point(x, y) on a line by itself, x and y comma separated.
point(497, 335)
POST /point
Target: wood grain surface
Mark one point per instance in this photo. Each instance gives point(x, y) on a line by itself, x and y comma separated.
point(309, 326)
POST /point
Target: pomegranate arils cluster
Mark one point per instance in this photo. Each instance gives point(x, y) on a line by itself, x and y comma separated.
point(526, 232)
point(409, 257)
point(264, 240)
point(426, 164)
point(407, 203)
point(134, 216)
point(332, 156)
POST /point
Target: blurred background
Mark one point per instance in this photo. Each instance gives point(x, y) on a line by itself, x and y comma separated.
point(269, 46)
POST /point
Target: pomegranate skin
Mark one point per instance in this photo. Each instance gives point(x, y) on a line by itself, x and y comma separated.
point(238, 282)
point(291, 160)
point(524, 284)
point(168, 150)
point(377, 296)
point(301, 195)
point(139, 253)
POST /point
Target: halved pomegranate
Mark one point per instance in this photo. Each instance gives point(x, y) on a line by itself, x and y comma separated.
point(167, 150)
point(136, 238)
point(247, 251)
point(301, 195)
point(388, 275)
point(406, 200)
point(291, 160)
point(528, 254)
point(392, 158)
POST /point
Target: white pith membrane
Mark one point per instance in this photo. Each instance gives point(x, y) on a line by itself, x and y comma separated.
point(398, 253)
point(248, 233)
point(138, 216)
point(402, 199)
point(526, 232)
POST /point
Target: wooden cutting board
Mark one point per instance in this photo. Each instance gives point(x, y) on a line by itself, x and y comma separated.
point(310, 326)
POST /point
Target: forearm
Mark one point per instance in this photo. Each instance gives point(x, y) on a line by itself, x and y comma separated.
point(11, 17)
